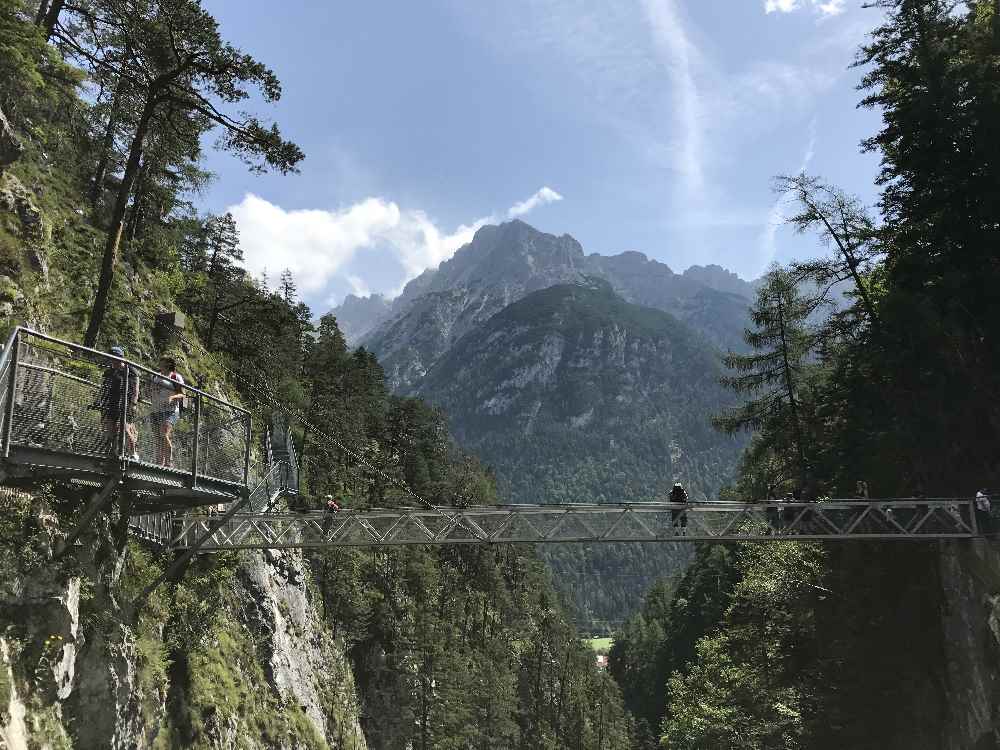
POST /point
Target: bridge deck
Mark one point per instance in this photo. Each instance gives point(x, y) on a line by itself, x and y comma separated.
point(57, 423)
point(897, 519)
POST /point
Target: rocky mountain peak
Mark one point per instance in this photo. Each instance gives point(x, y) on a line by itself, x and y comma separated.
point(721, 279)
point(512, 253)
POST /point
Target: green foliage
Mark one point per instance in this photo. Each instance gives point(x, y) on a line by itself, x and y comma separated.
point(661, 638)
point(32, 74)
point(466, 647)
point(832, 648)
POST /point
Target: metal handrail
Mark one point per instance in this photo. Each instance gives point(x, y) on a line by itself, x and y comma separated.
point(136, 365)
point(33, 363)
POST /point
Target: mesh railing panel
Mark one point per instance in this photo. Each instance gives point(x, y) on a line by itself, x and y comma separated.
point(6, 370)
point(153, 527)
point(57, 403)
point(66, 399)
point(224, 435)
point(164, 429)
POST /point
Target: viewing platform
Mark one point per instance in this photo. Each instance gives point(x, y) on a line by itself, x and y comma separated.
point(60, 420)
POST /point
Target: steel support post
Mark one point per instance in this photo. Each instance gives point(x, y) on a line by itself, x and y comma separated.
point(193, 479)
point(190, 552)
point(11, 394)
point(248, 425)
point(97, 503)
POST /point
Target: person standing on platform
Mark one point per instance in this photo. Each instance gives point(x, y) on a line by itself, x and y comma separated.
point(167, 394)
point(116, 399)
point(983, 517)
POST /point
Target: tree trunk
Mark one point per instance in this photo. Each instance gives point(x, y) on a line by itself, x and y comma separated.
point(52, 17)
point(43, 10)
point(135, 215)
point(790, 386)
point(110, 259)
point(107, 142)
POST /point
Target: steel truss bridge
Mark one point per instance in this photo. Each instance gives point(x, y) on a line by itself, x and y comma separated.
point(219, 489)
point(911, 519)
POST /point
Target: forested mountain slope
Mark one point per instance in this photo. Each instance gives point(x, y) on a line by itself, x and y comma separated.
point(458, 331)
point(574, 395)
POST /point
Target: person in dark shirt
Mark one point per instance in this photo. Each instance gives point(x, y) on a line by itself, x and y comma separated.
point(117, 398)
point(678, 517)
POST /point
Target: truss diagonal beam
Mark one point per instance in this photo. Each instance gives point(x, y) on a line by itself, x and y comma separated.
point(539, 524)
point(97, 503)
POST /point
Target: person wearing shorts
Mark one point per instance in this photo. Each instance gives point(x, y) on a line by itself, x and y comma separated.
point(116, 399)
point(166, 396)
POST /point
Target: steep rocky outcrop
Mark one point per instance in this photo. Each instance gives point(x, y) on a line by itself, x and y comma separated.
point(721, 280)
point(79, 670)
point(970, 583)
point(504, 263)
point(10, 145)
point(356, 316)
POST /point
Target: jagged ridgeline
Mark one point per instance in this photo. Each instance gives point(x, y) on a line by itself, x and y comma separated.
point(577, 378)
point(339, 649)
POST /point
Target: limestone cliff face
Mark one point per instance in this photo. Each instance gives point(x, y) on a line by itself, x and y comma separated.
point(970, 582)
point(505, 263)
point(77, 671)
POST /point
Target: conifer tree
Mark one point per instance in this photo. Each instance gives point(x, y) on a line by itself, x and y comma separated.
point(773, 375)
point(183, 74)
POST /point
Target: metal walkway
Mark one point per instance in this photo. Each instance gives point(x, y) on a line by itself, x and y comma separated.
point(900, 519)
point(63, 418)
point(58, 422)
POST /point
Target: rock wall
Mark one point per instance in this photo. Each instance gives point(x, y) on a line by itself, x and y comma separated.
point(76, 672)
point(970, 581)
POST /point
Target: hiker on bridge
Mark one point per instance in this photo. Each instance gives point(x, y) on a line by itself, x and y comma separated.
point(167, 395)
point(678, 518)
point(330, 507)
point(116, 398)
point(983, 518)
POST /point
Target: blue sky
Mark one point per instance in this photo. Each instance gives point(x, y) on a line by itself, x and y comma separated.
point(650, 125)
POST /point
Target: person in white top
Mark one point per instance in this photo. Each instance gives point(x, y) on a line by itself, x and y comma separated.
point(166, 395)
point(983, 515)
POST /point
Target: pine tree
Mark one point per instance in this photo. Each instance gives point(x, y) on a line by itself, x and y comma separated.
point(182, 75)
point(773, 376)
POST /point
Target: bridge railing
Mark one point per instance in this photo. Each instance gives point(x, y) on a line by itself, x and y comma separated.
point(900, 519)
point(59, 400)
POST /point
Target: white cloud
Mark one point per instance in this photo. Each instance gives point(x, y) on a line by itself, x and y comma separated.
point(358, 286)
point(831, 8)
point(778, 214)
point(679, 56)
point(781, 6)
point(825, 9)
point(545, 195)
point(317, 246)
